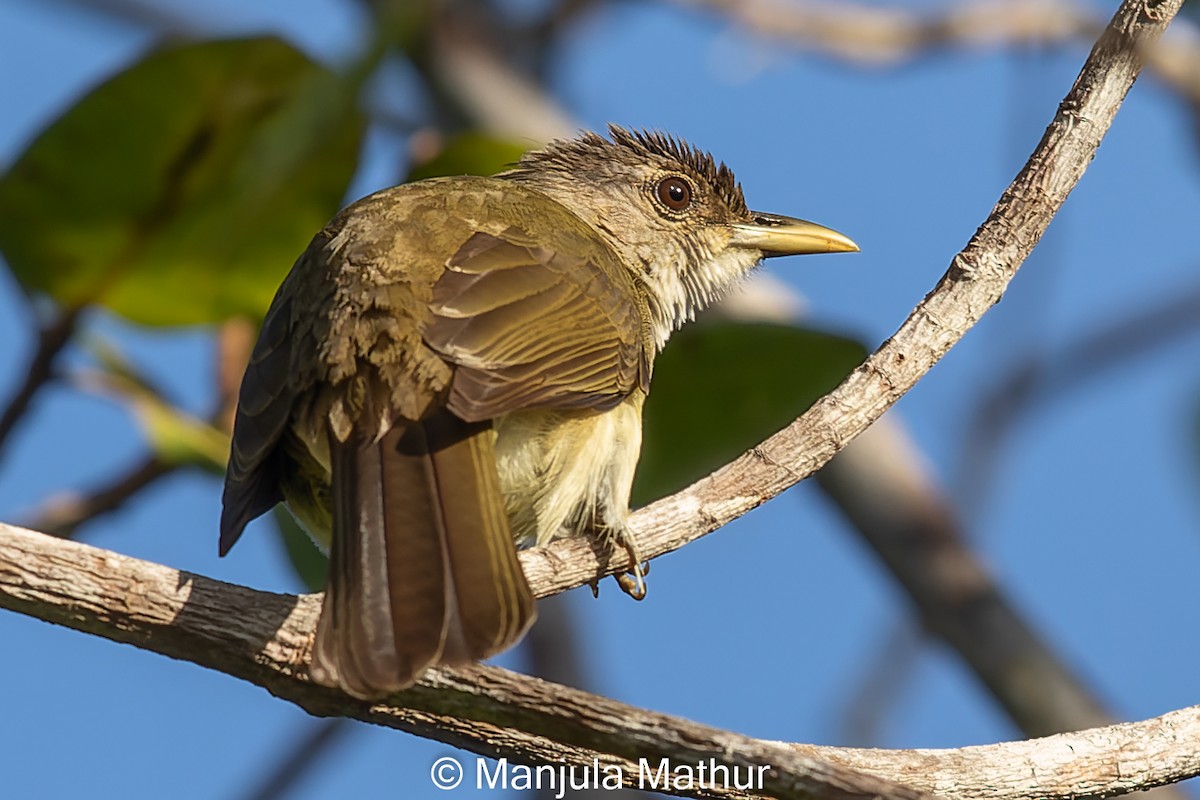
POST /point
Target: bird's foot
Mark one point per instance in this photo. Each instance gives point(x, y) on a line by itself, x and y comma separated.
point(633, 581)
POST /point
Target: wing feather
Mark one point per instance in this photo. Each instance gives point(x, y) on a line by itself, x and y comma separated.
point(264, 408)
point(528, 327)
point(269, 392)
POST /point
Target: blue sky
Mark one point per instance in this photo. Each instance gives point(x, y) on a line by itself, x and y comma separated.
point(1091, 516)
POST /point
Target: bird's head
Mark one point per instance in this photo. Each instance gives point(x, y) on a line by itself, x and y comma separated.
point(675, 216)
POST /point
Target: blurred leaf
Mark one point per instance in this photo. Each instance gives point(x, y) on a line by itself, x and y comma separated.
point(470, 154)
point(307, 559)
point(181, 190)
point(720, 388)
point(179, 438)
point(405, 23)
point(175, 436)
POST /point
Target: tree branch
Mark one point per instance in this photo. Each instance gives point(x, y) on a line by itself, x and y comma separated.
point(466, 67)
point(266, 639)
point(905, 520)
point(885, 35)
point(875, 36)
point(1040, 379)
point(975, 281)
point(52, 338)
point(299, 759)
point(151, 16)
point(879, 482)
point(62, 514)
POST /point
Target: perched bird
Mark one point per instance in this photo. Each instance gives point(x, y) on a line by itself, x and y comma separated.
point(458, 365)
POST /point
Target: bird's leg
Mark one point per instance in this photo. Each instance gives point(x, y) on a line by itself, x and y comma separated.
point(633, 580)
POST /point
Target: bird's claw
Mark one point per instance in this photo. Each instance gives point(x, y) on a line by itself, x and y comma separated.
point(633, 582)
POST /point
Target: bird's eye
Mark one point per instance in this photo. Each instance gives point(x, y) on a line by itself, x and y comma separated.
point(675, 193)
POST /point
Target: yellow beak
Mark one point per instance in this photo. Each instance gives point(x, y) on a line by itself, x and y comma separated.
point(786, 236)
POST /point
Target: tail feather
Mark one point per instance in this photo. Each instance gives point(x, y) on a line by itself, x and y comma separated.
point(423, 569)
point(492, 599)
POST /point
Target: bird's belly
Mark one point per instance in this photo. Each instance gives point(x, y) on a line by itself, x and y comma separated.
point(568, 472)
point(561, 472)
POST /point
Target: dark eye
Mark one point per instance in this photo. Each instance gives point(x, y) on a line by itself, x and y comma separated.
point(675, 193)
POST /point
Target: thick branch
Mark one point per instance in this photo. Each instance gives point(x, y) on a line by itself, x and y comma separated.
point(879, 483)
point(265, 639)
point(880, 35)
point(464, 62)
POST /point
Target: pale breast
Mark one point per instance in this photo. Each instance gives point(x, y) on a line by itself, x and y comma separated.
point(568, 472)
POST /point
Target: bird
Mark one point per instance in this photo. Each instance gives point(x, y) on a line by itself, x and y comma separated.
point(456, 367)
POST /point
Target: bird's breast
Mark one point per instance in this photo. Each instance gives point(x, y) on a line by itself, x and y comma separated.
point(568, 472)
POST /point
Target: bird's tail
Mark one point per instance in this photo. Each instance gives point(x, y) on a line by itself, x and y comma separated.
point(423, 569)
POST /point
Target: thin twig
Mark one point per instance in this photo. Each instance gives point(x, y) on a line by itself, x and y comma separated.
point(63, 514)
point(912, 528)
point(889, 36)
point(887, 670)
point(151, 16)
point(300, 757)
point(1038, 381)
point(51, 339)
point(235, 340)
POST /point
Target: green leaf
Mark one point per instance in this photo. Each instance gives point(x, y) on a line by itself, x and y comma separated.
point(720, 388)
point(470, 154)
point(181, 190)
point(405, 23)
point(179, 438)
point(174, 435)
point(307, 559)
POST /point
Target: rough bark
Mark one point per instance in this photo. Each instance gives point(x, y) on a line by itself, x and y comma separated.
point(265, 639)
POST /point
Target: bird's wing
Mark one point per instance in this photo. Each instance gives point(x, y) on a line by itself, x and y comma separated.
point(275, 378)
point(528, 326)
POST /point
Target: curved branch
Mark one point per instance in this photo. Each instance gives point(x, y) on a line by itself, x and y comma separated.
point(266, 638)
point(975, 281)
